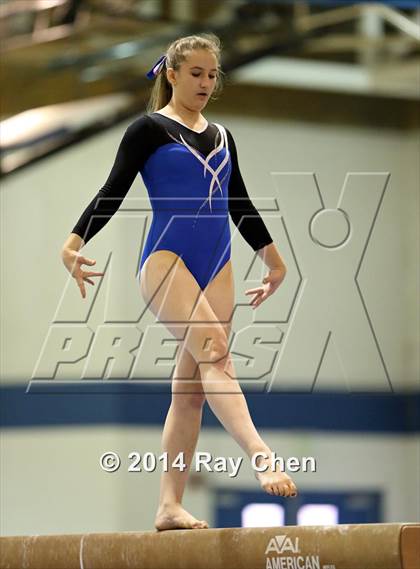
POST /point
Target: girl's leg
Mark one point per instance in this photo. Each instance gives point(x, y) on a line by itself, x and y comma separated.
point(180, 435)
point(177, 298)
point(224, 393)
point(228, 403)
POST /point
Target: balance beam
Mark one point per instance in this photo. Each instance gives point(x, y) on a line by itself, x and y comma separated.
point(369, 546)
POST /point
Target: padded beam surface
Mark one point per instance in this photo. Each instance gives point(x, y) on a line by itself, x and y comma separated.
point(369, 546)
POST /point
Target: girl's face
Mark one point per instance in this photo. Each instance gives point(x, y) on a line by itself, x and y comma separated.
point(197, 74)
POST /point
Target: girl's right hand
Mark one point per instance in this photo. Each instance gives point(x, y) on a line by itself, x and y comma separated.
point(73, 262)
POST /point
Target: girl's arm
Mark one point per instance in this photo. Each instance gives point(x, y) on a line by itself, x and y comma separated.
point(132, 152)
point(73, 242)
point(254, 231)
point(131, 155)
point(246, 217)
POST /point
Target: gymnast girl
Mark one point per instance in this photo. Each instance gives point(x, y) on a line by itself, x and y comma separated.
point(190, 169)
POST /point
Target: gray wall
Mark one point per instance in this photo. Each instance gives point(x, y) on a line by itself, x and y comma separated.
point(51, 481)
point(41, 204)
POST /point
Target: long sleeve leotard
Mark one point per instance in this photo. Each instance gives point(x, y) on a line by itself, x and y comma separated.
point(194, 184)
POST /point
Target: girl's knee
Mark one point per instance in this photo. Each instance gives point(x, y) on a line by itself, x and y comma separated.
point(229, 369)
point(218, 350)
point(220, 358)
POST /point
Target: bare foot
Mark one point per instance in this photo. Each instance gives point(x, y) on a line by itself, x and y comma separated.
point(175, 517)
point(277, 483)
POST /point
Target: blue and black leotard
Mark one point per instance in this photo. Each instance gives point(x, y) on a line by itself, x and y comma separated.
point(194, 185)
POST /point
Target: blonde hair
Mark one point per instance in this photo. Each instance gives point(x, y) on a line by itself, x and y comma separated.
point(176, 53)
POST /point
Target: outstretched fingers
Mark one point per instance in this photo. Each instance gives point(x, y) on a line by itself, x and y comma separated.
point(81, 286)
point(84, 277)
point(254, 290)
point(258, 293)
point(87, 274)
point(259, 299)
point(92, 274)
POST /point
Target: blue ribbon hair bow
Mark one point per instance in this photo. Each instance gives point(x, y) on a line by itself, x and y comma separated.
point(156, 67)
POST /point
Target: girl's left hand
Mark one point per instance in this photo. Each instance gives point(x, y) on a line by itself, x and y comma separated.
point(271, 283)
